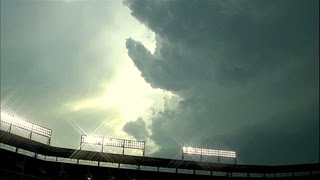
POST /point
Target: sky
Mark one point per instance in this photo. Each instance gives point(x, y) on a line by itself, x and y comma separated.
point(240, 75)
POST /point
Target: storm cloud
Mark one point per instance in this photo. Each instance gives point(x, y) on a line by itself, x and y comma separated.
point(137, 129)
point(246, 73)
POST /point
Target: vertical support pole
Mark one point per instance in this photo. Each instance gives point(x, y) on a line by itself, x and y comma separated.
point(81, 141)
point(124, 142)
point(182, 154)
point(30, 135)
point(10, 127)
point(102, 144)
point(49, 139)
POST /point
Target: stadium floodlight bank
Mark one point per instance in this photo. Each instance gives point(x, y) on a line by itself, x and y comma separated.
point(207, 152)
point(15, 121)
point(114, 142)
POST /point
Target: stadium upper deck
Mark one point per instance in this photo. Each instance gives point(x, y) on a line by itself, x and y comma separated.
point(43, 155)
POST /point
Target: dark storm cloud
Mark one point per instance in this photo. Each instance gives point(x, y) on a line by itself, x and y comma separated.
point(137, 129)
point(207, 41)
point(235, 64)
point(284, 139)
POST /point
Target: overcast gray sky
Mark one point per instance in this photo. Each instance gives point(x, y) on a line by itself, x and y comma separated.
point(239, 75)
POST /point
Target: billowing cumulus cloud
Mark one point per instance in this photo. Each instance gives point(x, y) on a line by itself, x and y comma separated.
point(137, 129)
point(246, 73)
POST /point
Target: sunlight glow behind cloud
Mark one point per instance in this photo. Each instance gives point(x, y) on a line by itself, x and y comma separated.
point(125, 92)
point(78, 67)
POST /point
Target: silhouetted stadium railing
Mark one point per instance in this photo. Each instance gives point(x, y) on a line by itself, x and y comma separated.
point(24, 158)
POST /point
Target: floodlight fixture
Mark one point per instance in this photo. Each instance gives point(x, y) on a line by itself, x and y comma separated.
point(134, 144)
point(5, 117)
point(191, 150)
point(90, 139)
point(207, 152)
point(15, 121)
point(114, 142)
point(22, 124)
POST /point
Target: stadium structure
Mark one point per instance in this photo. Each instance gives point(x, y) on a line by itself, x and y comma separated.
point(25, 156)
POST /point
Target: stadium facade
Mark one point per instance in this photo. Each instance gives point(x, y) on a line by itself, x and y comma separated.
point(24, 156)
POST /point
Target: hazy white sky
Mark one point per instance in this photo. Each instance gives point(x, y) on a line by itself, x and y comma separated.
point(239, 75)
point(82, 36)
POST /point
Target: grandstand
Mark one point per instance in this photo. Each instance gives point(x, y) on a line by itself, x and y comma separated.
point(26, 157)
point(23, 158)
